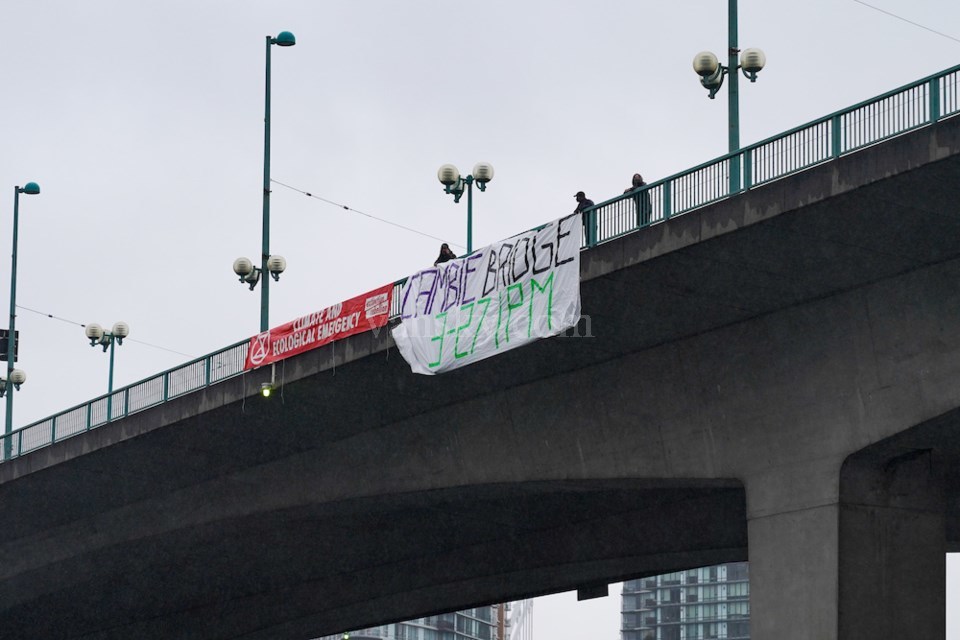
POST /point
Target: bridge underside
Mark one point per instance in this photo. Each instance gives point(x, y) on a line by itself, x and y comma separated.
point(323, 567)
point(740, 355)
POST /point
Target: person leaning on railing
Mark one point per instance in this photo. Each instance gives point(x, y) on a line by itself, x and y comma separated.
point(641, 199)
point(583, 202)
point(446, 254)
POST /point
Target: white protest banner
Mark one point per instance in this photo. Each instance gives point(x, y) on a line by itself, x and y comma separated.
point(498, 298)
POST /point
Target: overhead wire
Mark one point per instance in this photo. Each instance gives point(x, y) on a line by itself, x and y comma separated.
point(292, 188)
point(363, 213)
point(80, 324)
point(916, 24)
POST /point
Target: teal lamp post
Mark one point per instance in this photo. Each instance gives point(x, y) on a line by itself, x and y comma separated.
point(453, 183)
point(274, 265)
point(15, 377)
point(106, 339)
point(711, 73)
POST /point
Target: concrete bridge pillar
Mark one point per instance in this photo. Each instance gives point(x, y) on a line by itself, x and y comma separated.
point(869, 563)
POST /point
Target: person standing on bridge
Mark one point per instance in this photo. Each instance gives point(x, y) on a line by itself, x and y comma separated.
point(583, 202)
point(641, 199)
point(446, 254)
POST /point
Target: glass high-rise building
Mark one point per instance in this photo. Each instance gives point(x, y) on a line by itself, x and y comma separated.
point(709, 602)
point(496, 622)
point(518, 622)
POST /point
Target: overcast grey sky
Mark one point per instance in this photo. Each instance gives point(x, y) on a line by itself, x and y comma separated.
point(143, 124)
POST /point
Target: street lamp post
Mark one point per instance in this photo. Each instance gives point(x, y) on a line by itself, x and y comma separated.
point(106, 339)
point(453, 183)
point(15, 377)
point(252, 275)
point(711, 73)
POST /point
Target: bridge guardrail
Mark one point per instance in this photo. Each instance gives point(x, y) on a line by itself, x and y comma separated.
point(888, 115)
point(891, 114)
point(194, 375)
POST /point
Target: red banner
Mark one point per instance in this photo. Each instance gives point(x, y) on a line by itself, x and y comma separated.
point(356, 315)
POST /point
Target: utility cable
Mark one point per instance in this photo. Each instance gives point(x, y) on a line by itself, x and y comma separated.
point(916, 24)
point(373, 217)
point(79, 324)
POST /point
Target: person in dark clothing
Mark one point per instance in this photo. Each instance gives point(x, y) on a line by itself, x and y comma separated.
point(582, 203)
point(445, 254)
point(641, 199)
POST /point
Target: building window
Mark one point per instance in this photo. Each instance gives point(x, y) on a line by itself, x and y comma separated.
point(670, 633)
point(738, 571)
point(670, 595)
point(738, 590)
point(670, 579)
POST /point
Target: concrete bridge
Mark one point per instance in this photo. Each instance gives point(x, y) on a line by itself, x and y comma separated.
point(772, 378)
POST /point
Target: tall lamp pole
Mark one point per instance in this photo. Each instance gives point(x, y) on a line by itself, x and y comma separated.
point(15, 377)
point(733, 91)
point(274, 265)
point(449, 177)
point(711, 72)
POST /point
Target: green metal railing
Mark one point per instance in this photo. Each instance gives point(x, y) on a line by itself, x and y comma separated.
point(194, 375)
point(894, 113)
point(915, 105)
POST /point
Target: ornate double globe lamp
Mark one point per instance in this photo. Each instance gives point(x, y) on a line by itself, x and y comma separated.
point(274, 265)
point(107, 339)
point(15, 377)
point(453, 183)
point(711, 72)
